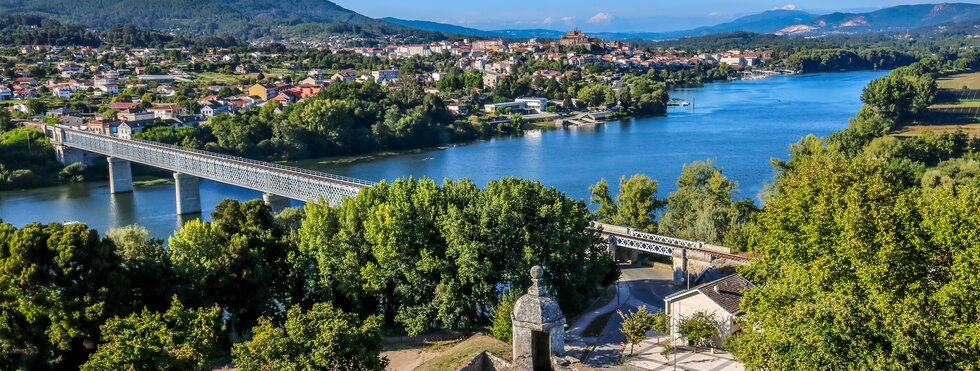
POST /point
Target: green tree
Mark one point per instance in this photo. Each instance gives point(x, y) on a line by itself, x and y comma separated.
point(73, 173)
point(637, 202)
point(698, 328)
point(635, 325)
point(635, 206)
point(243, 251)
point(178, 339)
point(702, 208)
point(501, 325)
point(323, 338)
point(607, 211)
point(59, 285)
point(147, 266)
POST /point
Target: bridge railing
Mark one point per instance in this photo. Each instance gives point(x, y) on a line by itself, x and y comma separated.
point(665, 239)
point(178, 150)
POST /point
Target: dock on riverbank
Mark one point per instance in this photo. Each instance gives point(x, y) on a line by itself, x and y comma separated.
point(583, 119)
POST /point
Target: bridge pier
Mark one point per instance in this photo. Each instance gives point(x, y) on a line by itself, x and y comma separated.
point(276, 202)
point(680, 266)
point(120, 175)
point(188, 193)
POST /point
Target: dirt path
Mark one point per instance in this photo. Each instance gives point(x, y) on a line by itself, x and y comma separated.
point(407, 359)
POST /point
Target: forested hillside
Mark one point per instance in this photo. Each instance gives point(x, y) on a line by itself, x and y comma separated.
point(242, 19)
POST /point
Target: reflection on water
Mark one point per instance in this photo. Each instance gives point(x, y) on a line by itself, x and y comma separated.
point(740, 125)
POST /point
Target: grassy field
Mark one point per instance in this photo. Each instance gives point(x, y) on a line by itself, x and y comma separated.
point(916, 130)
point(457, 355)
point(218, 78)
point(969, 79)
point(955, 108)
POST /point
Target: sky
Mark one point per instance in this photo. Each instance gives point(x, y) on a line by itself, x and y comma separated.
point(598, 15)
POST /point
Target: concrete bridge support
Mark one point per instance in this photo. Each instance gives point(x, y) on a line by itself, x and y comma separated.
point(120, 175)
point(188, 193)
point(276, 202)
point(689, 264)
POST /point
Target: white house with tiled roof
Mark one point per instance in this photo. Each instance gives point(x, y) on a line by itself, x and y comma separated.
point(721, 298)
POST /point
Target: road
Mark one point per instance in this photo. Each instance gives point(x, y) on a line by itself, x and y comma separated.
point(646, 286)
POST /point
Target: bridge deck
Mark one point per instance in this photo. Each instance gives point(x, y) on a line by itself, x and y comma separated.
point(286, 181)
point(662, 245)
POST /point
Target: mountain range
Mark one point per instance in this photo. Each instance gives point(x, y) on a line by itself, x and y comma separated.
point(779, 21)
point(252, 19)
point(245, 18)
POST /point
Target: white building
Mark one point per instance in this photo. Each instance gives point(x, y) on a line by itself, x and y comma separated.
point(385, 76)
point(519, 105)
point(721, 299)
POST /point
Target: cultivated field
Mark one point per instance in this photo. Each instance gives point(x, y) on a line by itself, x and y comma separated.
point(969, 79)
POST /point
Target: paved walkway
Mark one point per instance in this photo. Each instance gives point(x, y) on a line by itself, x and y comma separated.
point(647, 356)
point(583, 322)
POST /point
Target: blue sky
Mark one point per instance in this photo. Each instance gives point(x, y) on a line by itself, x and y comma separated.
point(597, 15)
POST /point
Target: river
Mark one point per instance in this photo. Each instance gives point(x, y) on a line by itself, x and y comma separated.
point(740, 125)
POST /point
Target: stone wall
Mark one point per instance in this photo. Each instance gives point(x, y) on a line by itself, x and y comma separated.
point(486, 361)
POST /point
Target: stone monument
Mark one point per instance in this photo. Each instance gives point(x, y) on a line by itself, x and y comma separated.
point(539, 327)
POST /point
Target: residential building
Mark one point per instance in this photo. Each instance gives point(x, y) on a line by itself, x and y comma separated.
point(385, 77)
point(721, 299)
point(347, 75)
point(263, 91)
point(135, 114)
point(490, 79)
point(519, 105)
point(166, 111)
point(213, 109)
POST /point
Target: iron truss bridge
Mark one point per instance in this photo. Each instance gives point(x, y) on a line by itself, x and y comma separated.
point(658, 244)
point(286, 181)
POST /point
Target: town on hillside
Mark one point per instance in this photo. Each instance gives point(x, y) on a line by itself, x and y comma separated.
point(99, 89)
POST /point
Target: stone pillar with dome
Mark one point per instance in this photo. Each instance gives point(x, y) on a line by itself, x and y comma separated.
point(538, 327)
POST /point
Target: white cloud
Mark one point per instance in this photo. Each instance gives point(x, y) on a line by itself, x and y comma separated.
point(715, 14)
point(548, 21)
point(568, 20)
point(601, 17)
point(788, 7)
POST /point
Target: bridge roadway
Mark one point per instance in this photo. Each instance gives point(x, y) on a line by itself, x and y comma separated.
point(278, 182)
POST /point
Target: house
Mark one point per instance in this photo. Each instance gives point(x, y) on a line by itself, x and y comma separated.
point(385, 77)
point(347, 75)
point(125, 131)
point(721, 298)
point(6, 93)
point(72, 121)
point(58, 112)
point(458, 109)
point(62, 91)
point(213, 109)
point(263, 91)
point(166, 111)
point(311, 81)
point(120, 106)
point(135, 114)
point(490, 79)
point(110, 88)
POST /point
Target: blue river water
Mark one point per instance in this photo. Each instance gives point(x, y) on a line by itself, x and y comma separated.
point(740, 125)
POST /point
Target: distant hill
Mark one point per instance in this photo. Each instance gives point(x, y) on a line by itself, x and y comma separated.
point(243, 18)
point(441, 27)
point(766, 22)
point(888, 19)
point(779, 21)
